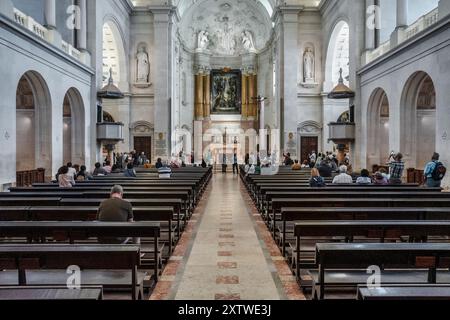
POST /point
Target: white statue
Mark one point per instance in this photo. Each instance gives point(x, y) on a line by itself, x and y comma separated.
point(247, 41)
point(143, 66)
point(203, 40)
point(308, 65)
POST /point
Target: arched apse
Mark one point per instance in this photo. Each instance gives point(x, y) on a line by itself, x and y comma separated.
point(73, 127)
point(33, 134)
point(114, 56)
point(378, 128)
point(418, 120)
point(338, 55)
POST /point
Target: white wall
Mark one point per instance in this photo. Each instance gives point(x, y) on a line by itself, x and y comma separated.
point(59, 73)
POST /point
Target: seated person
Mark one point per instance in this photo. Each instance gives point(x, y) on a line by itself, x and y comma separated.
point(296, 166)
point(305, 164)
point(65, 179)
point(115, 169)
point(99, 170)
point(129, 171)
point(325, 169)
point(115, 209)
point(108, 167)
point(364, 179)
point(165, 172)
point(380, 179)
point(159, 163)
point(343, 177)
point(316, 180)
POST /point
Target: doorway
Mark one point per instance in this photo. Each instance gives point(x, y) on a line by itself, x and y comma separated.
point(308, 144)
point(143, 144)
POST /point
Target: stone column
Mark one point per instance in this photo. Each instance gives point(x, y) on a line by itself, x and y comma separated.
point(199, 97)
point(401, 24)
point(7, 8)
point(206, 96)
point(444, 8)
point(163, 55)
point(287, 20)
point(371, 24)
point(252, 93)
point(50, 14)
point(244, 99)
point(402, 13)
point(82, 32)
point(53, 36)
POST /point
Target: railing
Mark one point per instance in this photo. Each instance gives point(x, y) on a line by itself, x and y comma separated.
point(418, 26)
point(42, 32)
point(27, 178)
point(422, 23)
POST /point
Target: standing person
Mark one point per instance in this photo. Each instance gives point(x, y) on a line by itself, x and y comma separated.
point(72, 171)
point(129, 171)
point(434, 172)
point(313, 157)
point(316, 180)
point(235, 163)
point(396, 168)
point(287, 160)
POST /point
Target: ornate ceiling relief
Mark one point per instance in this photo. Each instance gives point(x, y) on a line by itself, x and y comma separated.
point(226, 27)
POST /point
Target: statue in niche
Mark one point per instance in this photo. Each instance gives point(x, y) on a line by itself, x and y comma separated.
point(247, 41)
point(203, 40)
point(143, 66)
point(308, 65)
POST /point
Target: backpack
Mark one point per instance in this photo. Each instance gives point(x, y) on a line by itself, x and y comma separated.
point(439, 171)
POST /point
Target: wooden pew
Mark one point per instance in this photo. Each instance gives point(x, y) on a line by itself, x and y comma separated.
point(347, 260)
point(81, 231)
point(163, 215)
point(54, 293)
point(405, 292)
point(289, 215)
point(381, 230)
point(110, 266)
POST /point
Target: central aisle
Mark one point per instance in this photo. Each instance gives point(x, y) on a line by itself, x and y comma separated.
point(227, 259)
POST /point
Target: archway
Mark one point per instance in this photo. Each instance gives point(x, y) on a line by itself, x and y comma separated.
point(309, 135)
point(338, 57)
point(418, 121)
point(142, 136)
point(378, 129)
point(33, 132)
point(73, 127)
point(113, 54)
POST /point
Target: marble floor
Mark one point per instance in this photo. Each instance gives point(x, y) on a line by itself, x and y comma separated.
point(227, 252)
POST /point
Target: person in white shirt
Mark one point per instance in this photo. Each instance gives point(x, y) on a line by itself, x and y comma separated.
point(72, 173)
point(343, 177)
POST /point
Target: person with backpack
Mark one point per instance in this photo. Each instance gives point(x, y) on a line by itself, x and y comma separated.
point(434, 172)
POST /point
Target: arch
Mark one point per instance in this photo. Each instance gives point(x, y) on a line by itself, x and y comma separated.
point(378, 128)
point(114, 55)
point(37, 153)
point(77, 125)
point(418, 120)
point(142, 133)
point(306, 132)
point(338, 53)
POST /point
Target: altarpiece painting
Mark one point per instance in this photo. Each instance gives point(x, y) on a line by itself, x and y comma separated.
point(226, 92)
